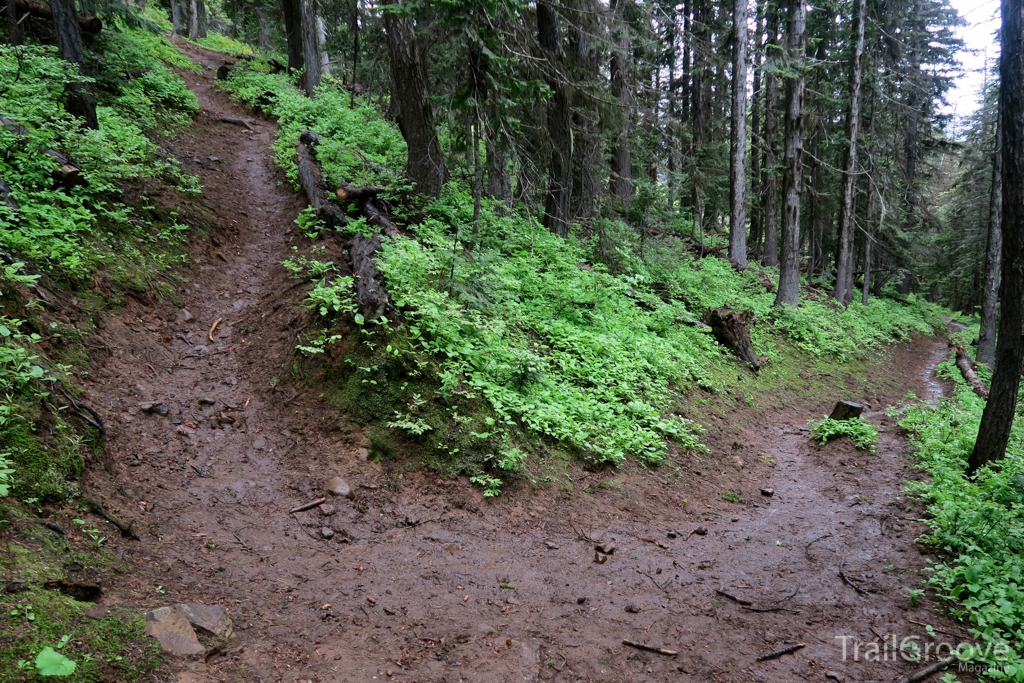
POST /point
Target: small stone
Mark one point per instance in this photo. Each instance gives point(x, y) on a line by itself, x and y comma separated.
point(188, 317)
point(327, 532)
point(632, 608)
point(485, 630)
point(550, 546)
point(213, 159)
point(672, 534)
point(207, 401)
point(338, 487)
point(173, 632)
point(768, 492)
point(151, 407)
point(210, 618)
point(581, 600)
point(737, 462)
point(327, 509)
point(701, 531)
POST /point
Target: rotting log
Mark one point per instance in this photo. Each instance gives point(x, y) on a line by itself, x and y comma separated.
point(846, 410)
point(87, 23)
point(354, 193)
point(5, 194)
point(223, 71)
point(377, 217)
point(369, 281)
point(702, 250)
point(732, 329)
point(311, 176)
point(66, 173)
point(966, 365)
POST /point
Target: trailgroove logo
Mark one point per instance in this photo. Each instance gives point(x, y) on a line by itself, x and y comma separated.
point(923, 649)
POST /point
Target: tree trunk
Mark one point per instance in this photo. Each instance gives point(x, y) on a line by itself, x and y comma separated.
point(869, 239)
point(769, 172)
point(15, 29)
point(963, 362)
point(80, 101)
point(621, 183)
point(732, 329)
point(557, 202)
point(321, 43)
point(201, 25)
point(193, 20)
point(177, 22)
point(263, 30)
point(796, 44)
point(738, 139)
point(993, 261)
point(756, 143)
point(310, 46)
point(699, 109)
point(844, 263)
point(293, 33)
point(996, 421)
point(499, 180)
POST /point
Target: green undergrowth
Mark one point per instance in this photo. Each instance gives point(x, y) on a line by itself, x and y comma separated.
point(863, 435)
point(513, 347)
point(978, 525)
point(113, 647)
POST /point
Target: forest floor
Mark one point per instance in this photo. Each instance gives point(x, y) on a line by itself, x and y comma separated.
point(424, 579)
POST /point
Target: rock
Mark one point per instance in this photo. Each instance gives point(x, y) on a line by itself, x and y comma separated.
point(846, 410)
point(210, 618)
point(768, 492)
point(338, 487)
point(207, 401)
point(550, 546)
point(700, 531)
point(632, 608)
point(581, 600)
point(327, 509)
point(737, 462)
point(97, 611)
point(151, 407)
point(485, 630)
point(173, 632)
point(187, 316)
point(672, 534)
point(327, 532)
point(606, 549)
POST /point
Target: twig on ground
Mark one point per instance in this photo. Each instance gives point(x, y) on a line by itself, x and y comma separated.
point(771, 609)
point(929, 670)
point(745, 603)
point(650, 648)
point(807, 547)
point(307, 506)
point(213, 328)
point(775, 654)
point(846, 579)
point(97, 507)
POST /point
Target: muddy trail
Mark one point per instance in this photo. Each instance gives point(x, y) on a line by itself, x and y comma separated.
point(421, 579)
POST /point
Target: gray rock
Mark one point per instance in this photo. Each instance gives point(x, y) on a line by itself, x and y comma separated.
point(485, 630)
point(737, 462)
point(173, 632)
point(327, 509)
point(187, 316)
point(550, 546)
point(327, 532)
point(151, 407)
point(338, 487)
point(207, 401)
point(210, 618)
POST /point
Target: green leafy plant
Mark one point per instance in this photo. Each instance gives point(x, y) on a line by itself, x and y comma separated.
point(5, 475)
point(729, 496)
point(491, 485)
point(49, 662)
point(863, 434)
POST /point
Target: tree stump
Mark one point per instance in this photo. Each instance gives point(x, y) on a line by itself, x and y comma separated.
point(846, 410)
point(369, 281)
point(732, 330)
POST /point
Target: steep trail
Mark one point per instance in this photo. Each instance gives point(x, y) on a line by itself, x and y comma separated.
point(409, 587)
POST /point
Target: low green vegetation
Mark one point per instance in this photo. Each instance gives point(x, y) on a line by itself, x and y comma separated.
point(977, 524)
point(510, 339)
point(860, 432)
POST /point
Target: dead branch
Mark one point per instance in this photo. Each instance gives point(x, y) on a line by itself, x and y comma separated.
point(966, 366)
point(929, 670)
point(650, 648)
point(848, 582)
point(86, 23)
point(97, 507)
point(745, 603)
point(311, 177)
point(775, 654)
point(213, 328)
point(307, 506)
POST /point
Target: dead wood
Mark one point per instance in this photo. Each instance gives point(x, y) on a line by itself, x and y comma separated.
point(311, 177)
point(702, 250)
point(376, 217)
point(966, 366)
point(354, 193)
point(775, 654)
point(97, 507)
point(66, 173)
point(223, 71)
point(732, 597)
point(229, 119)
point(369, 281)
point(846, 579)
point(927, 671)
point(732, 329)
point(5, 194)
point(87, 23)
point(83, 592)
point(650, 648)
point(213, 328)
point(307, 506)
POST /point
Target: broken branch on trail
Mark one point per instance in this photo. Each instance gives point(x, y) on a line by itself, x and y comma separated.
point(732, 329)
point(966, 366)
point(353, 193)
point(929, 670)
point(650, 648)
point(311, 177)
point(775, 654)
point(87, 23)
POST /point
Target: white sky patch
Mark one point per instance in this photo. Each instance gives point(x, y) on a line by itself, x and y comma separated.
point(980, 46)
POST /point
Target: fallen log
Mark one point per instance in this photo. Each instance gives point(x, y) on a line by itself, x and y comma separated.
point(732, 329)
point(966, 366)
point(353, 193)
point(87, 23)
point(377, 217)
point(66, 173)
point(5, 193)
point(369, 281)
point(311, 176)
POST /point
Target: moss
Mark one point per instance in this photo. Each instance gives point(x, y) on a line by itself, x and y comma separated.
point(46, 467)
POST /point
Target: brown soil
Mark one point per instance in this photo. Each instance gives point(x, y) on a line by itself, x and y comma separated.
point(417, 582)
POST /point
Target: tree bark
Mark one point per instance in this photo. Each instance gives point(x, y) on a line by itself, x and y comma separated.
point(756, 142)
point(193, 20)
point(293, 33)
point(177, 22)
point(310, 46)
point(86, 22)
point(732, 330)
point(769, 170)
point(796, 45)
point(425, 165)
point(80, 101)
point(557, 202)
point(997, 420)
point(321, 43)
point(263, 28)
point(15, 29)
point(993, 261)
point(844, 263)
point(963, 362)
point(738, 139)
point(201, 24)
point(369, 281)
point(621, 183)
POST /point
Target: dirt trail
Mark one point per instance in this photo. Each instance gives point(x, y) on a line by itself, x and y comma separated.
point(410, 587)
